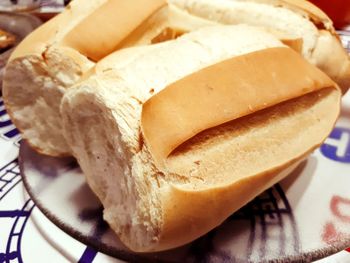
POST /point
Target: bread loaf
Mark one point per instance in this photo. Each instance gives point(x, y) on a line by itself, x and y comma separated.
point(158, 195)
point(54, 57)
point(289, 20)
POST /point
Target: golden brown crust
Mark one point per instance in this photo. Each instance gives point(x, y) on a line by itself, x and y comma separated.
point(189, 212)
point(90, 28)
point(296, 44)
point(69, 62)
point(188, 215)
point(185, 208)
point(180, 111)
point(335, 59)
point(330, 57)
point(53, 30)
point(101, 33)
point(322, 22)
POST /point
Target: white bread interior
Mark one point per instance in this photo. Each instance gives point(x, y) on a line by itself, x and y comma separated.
point(330, 56)
point(215, 172)
point(37, 75)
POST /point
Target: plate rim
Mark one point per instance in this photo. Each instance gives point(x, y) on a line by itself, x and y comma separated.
point(337, 246)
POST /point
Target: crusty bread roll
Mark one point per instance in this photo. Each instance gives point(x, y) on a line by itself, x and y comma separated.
point(290, 20)
point(181, 134)
point(59, 53)
point(54, 57)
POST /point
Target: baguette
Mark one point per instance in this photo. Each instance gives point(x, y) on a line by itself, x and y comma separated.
point(291, 21)
point(55, 56)
point(157, 195)
point(58, 54)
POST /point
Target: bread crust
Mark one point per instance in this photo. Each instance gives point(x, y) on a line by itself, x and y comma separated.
point(51, 59)
point(337, 67)
point(189, 213)
point(95, 42)
point(53, 31)
point(178, 112)
point(337, 64)
point(213, 173)
point(183, 205)
point(70, 34)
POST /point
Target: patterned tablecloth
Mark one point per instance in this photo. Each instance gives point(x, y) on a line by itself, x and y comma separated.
point(26, 235)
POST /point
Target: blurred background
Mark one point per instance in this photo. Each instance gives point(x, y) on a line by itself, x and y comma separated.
point(338, 10)
point(45, 9)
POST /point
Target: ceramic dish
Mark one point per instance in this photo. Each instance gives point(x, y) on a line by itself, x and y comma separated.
point(305, 217)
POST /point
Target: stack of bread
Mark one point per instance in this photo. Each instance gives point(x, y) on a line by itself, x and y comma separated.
point(178, 112)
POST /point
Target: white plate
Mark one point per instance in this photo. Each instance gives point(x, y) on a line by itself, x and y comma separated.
point(305, 217)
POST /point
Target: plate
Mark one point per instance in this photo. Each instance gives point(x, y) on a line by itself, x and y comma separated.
point(305, 217)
